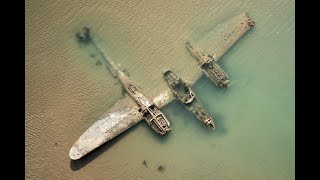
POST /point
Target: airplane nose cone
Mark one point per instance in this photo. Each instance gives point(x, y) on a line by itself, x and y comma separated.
point(164, 71)
point(211, 125)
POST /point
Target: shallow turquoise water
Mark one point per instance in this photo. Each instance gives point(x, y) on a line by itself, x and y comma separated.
point(255, 118)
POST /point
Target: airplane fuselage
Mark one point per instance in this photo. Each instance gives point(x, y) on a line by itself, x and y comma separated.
point(183, 92)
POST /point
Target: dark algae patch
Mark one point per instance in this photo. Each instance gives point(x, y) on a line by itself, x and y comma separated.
point(161, 168)
point(98, 63)
point(144, 162)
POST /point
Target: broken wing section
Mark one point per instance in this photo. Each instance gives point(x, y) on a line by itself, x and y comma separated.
point(120, 117)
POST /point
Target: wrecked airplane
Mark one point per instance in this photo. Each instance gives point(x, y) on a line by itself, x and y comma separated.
point(131, 109)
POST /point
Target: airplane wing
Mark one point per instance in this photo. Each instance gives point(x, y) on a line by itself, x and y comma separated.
point(228, 34)
point(164, 98)
point(120, 117)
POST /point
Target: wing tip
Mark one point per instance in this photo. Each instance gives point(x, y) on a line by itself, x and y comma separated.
point(75, 154)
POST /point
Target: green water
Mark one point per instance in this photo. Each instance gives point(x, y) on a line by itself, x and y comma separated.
point(66, 90)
